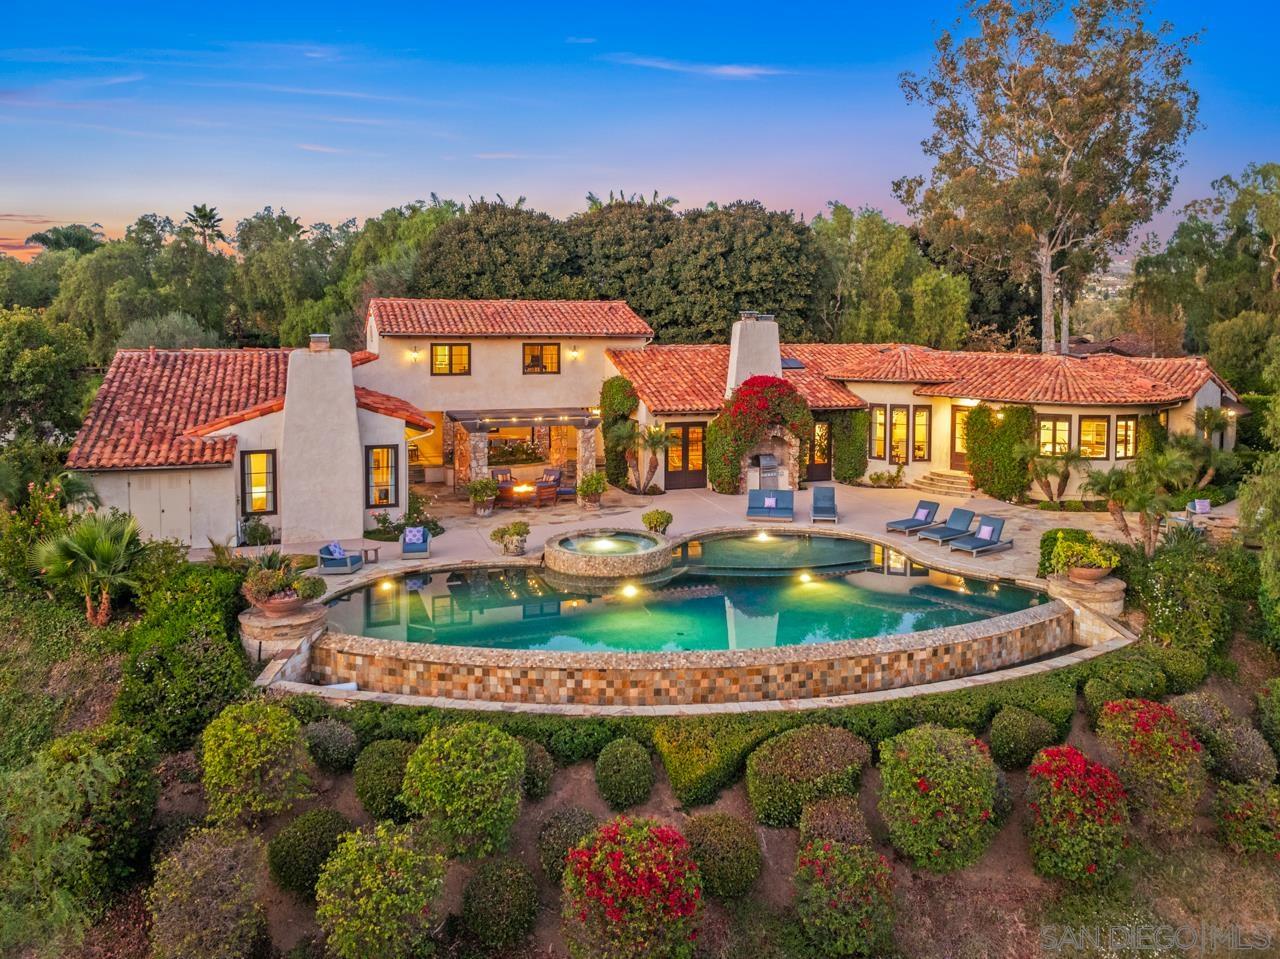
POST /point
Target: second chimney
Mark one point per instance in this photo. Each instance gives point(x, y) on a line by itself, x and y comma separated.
point(754, 349)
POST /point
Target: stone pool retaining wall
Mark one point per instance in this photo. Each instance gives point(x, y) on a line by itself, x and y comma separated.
point(615, 565)
point(643, 680)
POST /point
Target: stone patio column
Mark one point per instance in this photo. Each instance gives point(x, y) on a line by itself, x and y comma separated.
point(478, 443)
point(586, 452)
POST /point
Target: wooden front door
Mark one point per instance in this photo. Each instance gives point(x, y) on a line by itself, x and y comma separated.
point(818, 469)
point(959, 417)
point(686, 467)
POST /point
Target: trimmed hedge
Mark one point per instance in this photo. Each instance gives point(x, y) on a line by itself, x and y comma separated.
point(834, 819)
point(539, 767)
point(1248, 818)
point(560, 832)
point(332, 744)
point(1183, 669)
point(801, 765)
point(844, 900)
point(255, 761)
point(849, 433)
point(727, 852)
point(297, 853)
point(500, 903)
point(1269, 714)
point(624, 773)
point(1017, 735)
point(379, 777)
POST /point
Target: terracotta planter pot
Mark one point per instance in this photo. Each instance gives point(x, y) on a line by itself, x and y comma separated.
point(1087, 574)
point(483, 507)
point(277, 607)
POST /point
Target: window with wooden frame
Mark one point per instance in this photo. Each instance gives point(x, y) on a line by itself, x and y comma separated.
point(899, 434)
point(541, 358)
point(450, 359)
point(879, 426)
point(1126, 437)
point(921, 433)
point(1054, 434)
point(1093, 439)
point(258, 482)
point(381, 477)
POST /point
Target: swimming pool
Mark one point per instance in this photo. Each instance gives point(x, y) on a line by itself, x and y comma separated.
point(727, 593)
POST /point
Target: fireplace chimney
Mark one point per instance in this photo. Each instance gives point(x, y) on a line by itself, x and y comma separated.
point(753, 349)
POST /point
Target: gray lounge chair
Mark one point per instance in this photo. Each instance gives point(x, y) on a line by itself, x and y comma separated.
point(925, 514)
point(336, 562)
point(986, 539)
point(415, 541)
point(775, 504)
point(957, 525)
point(824, 505)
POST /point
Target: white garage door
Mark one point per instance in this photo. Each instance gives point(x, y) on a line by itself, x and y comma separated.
point(161, 502)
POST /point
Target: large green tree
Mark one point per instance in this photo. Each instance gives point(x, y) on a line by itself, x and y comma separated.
point(102, 292)
point(614, 244)
point(34, 283)
point(41, 376)
point(73, 236)
point(1047, 143)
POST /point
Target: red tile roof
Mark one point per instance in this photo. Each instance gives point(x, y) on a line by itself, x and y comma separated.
point(405, 317)
point(361, 357)
point(1185, 373)
point(1099, 380)
point(691, 379)
point(898, 363)
point(159, 407)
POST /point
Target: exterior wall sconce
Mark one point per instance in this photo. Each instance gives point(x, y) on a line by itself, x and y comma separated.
point(415, 354)
point(573, 353)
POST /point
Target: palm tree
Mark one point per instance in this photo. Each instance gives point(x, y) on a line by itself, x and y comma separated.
point(94, 557)
point(1111, 485)
point(204, 219)
point(1050, 473)
point(1150, 503)
point(77, 490)
point(625, 435)
point(74, 236)
point(1210, 420)
point(654, 440)
point(1168, 469)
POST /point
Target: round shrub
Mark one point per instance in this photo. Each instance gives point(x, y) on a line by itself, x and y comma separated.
point(1183, 669)
point(297, 853)
point(1079, 816)
point(500, 903)
point(1269, 714)
point(1017, 735)
point(579, 740)
point(1205, 714)
point(1158, 760)
point(379, 777)
point(560, 832)
point(631, 889)
point(1241, 755)
point(1248, 817)
point(624, 773)
point(539, 767)
point(1097, 693)
point(1134, 676)
point(844, 899)
point(834, 819)
point(332, 745)
point(375, 893)
point(937, 796)
point(465, 780)
point(801, 765)
point(254, 761)
point(727, 851)
point(212, 867)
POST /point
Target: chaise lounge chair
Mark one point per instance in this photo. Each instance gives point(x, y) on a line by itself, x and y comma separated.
point(923, 517)
point(775, 504)
point(333, 560)
point(986, 539)
point(415, 541)
point(957, 525)
point(824, 505)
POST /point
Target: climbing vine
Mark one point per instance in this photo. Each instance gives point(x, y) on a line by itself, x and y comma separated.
point(996, 443)
point(618, 400)
point(757, 406)
point(848, 445)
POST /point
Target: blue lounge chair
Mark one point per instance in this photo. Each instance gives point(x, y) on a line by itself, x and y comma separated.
point(924, 516)
point(771, 504)
point(986, 539)
point(957, 525)
point(336, 561)
point(824, 505)
point(415, 541)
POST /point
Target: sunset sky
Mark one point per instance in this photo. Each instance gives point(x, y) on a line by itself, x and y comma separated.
point(112, 110)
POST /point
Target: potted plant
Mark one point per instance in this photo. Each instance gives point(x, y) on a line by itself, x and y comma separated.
point(512, 537)
point(656, 520)
point(276, 586)
point(591, 488)
point(1085, 562)
point(482, 492)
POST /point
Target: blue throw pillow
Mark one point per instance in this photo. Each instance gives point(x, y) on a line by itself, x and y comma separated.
point(336, 550)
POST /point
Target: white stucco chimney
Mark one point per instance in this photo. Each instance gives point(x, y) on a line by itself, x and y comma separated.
point(321, 471)
point(754, 349)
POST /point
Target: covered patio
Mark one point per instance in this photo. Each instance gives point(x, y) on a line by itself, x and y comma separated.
point(571, 433)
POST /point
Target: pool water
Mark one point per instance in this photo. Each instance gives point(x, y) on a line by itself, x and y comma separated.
point(611, 544)
point(873, 591)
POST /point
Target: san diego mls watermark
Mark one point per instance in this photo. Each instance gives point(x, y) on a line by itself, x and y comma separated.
point(1204, 939)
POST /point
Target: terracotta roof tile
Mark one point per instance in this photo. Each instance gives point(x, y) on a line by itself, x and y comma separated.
point(406, 317)
point(392, 406)
point(898, 363)
point(361, 357)
point(1102, 379)
point(1185, 373)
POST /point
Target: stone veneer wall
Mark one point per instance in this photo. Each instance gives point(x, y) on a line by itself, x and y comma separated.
point(656, 679)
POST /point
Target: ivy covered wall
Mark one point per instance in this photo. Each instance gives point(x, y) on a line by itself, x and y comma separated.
point(997, 444)
point(618, 400)
point(849, 432)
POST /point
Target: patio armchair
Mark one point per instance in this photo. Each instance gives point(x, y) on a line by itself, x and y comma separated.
point(333, 560)
point(545, 495)
point(1197, 507)
point(925, 513)
point(986, 539)
point(771, 504)
point(550, 477)
point(415, 541)
point(502, 476)
point(824, 505)
point(957, 525)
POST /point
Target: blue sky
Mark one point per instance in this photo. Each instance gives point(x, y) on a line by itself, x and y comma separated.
point(111, 110)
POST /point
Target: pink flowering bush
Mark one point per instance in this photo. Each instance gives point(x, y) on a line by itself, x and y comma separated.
point(844, 899)
point(1158, 759)
point(1079, 816)
point(938, 796)
point(758, 405)
point(632, 889)
point(40, 516)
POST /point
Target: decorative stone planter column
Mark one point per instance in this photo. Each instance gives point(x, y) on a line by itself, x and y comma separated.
point(1106, 596)
point(264, 638)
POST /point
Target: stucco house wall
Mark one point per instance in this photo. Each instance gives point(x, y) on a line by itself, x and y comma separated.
point(194, 506)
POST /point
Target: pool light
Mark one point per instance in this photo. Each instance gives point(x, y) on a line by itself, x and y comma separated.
point(806, 578)
point(386, 586)
point(603, 544)
point(763, 537)
point(630, 591)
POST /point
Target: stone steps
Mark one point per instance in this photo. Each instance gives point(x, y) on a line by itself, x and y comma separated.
point(944, 484)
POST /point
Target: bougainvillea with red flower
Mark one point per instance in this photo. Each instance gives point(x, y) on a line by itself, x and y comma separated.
point(938, 796)
point(1079, 816)
point(844, 899)
point(758, 405)
point(632, 889)
point(1158, 759)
